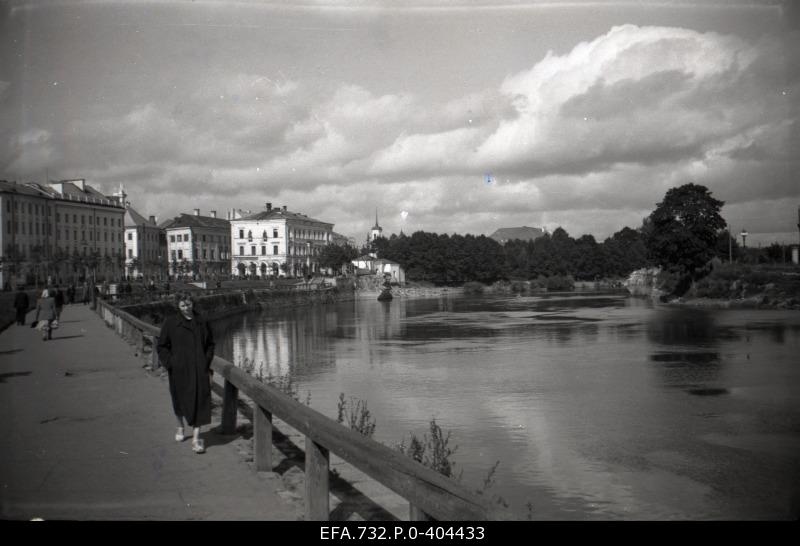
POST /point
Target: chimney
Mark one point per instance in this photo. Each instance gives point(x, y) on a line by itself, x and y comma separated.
point(269, 207)
point(284, 207)
point(197, 212)
point(152, 219)
point(213, 213)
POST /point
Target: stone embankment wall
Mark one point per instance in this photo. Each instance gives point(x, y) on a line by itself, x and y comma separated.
point(219, 306)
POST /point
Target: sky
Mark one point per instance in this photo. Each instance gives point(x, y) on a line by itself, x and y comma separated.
point(442, 116)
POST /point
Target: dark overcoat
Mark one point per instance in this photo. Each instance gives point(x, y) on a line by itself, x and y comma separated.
point(186, 349)
point(21, 301)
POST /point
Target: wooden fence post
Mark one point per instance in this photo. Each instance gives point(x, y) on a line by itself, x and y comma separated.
point(416, 514)
point(262, 438)
point(317, 487)
point(154, 355)
point(229, 408)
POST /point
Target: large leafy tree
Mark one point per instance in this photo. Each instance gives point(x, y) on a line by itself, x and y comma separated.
point(681, 233)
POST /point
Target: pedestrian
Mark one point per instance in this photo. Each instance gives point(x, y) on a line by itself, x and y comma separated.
point(21, 304)
point(87, 296)
point(46, 313)
point(186, 349)
point(71, 293)
point(59, 300)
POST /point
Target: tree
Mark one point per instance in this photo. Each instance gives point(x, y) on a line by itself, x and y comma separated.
point(681, 233)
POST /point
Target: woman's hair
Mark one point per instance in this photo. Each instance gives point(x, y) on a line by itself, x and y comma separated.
point(183, 295)
point(45, 293)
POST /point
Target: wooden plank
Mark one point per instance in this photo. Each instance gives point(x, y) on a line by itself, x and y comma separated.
point(262, 439)
point(317, 486)
point(229, 408)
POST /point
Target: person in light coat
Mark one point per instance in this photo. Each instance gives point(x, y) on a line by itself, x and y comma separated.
point(186, 349)
point(46, 312)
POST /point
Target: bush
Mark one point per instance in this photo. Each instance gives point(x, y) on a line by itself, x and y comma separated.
point(474, 288)
point(560, 283)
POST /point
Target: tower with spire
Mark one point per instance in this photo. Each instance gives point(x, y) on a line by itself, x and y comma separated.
point(376, 231)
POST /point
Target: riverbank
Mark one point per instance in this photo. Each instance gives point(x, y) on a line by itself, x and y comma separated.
point(728, 286)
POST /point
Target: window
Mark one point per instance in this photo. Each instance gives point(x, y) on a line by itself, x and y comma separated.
point(90, 220)
point(275, 249)
point(180, 254)
point(241, 251)
point(212, 253)
point(58, 217)
point(250, 235)
point(130, 236)
point(253, 250)
point(204, 254)
point(105, 221)
point(130, 253)
point(263, 250)
point(204, 238)
point(83, 219)
point(241, 234)
point(180, 238)
point(74, 218)
point(173, 255)
point(171, 238)
point(275, 232)
point(66, 234)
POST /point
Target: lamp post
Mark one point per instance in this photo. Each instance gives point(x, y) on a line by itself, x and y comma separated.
point(744, 235)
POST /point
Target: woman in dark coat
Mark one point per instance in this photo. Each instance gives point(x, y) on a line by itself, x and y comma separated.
point(186, 349)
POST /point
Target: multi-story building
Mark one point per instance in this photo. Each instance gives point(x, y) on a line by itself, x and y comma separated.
point(62, 231)
point(144, 257)
point(198, 247)
point(277, 242)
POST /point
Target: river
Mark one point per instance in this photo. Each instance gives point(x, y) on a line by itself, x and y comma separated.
point(596, 405)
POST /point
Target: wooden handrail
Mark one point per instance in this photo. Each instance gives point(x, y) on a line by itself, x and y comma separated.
point(431, 494)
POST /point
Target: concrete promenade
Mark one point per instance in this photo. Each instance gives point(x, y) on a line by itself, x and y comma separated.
point(88, 434)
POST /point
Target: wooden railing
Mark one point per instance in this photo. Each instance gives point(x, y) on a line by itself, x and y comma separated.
point(430, 494)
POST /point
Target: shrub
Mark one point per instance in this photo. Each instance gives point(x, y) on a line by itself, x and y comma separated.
point(356, 415)
point(474, 288)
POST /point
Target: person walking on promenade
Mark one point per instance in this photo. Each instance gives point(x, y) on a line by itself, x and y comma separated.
point(87, 296)
point(58, 297)
point(21, 304)
point(46, 312)
point(186, 349)
point(71, 293)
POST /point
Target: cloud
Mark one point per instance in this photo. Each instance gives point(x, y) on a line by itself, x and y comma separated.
point(582, 139)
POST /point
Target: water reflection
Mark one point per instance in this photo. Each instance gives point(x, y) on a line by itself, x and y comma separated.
point(597, 406)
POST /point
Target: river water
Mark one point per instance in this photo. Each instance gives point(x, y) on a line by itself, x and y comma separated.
point(597, 405)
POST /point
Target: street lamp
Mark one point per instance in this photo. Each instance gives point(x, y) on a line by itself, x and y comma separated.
point(744, 235)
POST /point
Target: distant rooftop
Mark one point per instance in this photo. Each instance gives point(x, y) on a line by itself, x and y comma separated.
point(524, 233)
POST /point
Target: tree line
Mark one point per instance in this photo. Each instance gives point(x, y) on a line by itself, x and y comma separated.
point(682, 235)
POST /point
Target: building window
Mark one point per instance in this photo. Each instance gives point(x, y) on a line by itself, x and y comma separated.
point(275, 249)
point(90, 220)
point(130, 253)
point(105, 221)
point(173, 255)
point(241, 234)
point(212, 253)
point(130, 236)
point(83, 219)
point(171, 238)
point(241, 251)
point(180, 254)
point(275, 232)
point(263, 250)
point(253, 250)
point(204, 254)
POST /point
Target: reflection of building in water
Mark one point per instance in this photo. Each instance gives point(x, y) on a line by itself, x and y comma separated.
point(297, 343)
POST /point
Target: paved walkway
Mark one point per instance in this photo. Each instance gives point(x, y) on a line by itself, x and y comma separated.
point(86, 433)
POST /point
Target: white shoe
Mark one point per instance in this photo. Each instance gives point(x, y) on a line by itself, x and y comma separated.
point(198, 446)
point(179, 437)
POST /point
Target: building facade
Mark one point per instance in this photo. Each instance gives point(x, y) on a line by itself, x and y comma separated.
point(144, 258)
point(198, 247)
point(63, 231)
point(277, 243)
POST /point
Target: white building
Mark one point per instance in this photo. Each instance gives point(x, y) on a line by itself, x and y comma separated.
point(277, 242)
point(143, 254)
point(198, 247)
point(65, 230)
